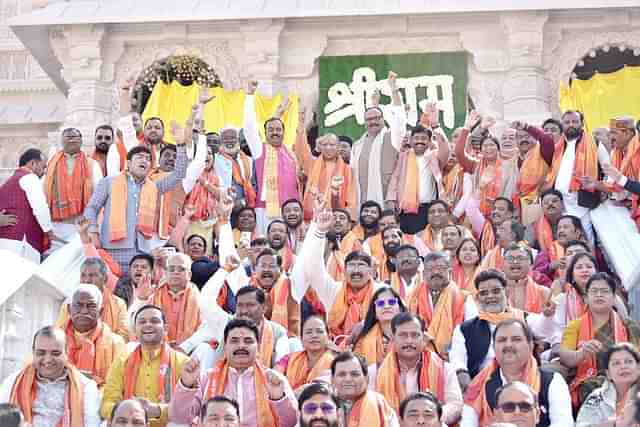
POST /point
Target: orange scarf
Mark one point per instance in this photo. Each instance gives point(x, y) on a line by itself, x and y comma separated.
point(377, 248)
point(464, 282)
point(94, 354)
point(629, 165)
point(122, 153)
point(202, 199)
point(586, 163)
point(243, 179)
point(146, 209)
point(267, 416)
point(493, 259)
point(409, 182)
point(169, 203)
point(23, 395)
point(544, 233)
point(349, 308)
point(476, 395)
point(532, 173)
point(535, 297)
point(398, 285)
point(319, 182)
point(371, 410)
point(434, 244)
point(453, 184)
point(352, 241)
point(588, 367)
point(167, 377)
point(491, 190)
point(441, 319)
point(430, 377)
point(495, 318)
point(335, 266)
point(288, 258)
point(299, 372)
point(487, 238)
point(68, 195)
point(281, 313)
point(186, 319)
point(371, 346)
point(574, 306)
point(110, 309)
point(267, 342)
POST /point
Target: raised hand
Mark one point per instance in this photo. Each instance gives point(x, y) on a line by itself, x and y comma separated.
point(7, 220)
point(392, 77)
point(324, 220)
point(83, 231)
point(231, 263)
point(224, 207)
point(375, 98)
point(284, 104)
point(190, 373)
point(181, 134)
point(472, 119)
point(319, 203)
point(275, 385)
point(432, 113)
point(188, 211)
point(252, 87)
point(145, 289)
point(517, 125)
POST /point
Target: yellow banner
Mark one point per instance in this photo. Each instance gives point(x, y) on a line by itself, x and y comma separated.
point(604, 96)
point(174, 101)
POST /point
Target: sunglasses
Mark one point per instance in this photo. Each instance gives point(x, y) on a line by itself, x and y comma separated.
point(510, 407)
point(390, 302)
point(312, 408)
point(103, 138)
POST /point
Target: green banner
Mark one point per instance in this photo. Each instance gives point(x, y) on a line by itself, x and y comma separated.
point(347, 83)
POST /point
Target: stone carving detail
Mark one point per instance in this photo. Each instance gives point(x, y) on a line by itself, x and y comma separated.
point(217, 54)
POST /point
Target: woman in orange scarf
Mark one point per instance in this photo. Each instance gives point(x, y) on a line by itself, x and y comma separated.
point(466, 264)
point(586, 338)
point(370, 339)
point(314, 362)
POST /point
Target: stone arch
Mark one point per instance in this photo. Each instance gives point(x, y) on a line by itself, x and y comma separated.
point(574, 46)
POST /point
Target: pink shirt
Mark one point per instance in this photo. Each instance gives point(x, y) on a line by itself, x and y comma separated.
point(186, 403)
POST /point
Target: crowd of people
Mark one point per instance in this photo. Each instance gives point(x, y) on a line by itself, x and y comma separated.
point(404, 279)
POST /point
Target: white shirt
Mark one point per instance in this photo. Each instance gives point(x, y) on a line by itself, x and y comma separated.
point(565, 173)
point(426, 188)
point(91, 400)
point(32, 186)
point(540, 325)
point(560, 414)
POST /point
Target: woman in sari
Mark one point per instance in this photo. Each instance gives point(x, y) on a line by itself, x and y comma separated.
point(314, 362)
point(371, 338)
point(614, 400)
point(571, 303)
point(586, 338)
point(466, 264)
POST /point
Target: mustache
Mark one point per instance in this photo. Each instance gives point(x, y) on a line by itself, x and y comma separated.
point(241, 351)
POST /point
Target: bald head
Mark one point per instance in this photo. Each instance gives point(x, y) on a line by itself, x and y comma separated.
point(128, 413)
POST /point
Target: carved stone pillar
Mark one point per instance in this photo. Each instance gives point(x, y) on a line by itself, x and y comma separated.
point(525, 89)
point(262, 50)
point(89, 77)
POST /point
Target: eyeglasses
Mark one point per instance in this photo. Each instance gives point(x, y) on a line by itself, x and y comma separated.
point(599, 291)
point(487, 292)
point(312, 408)
point(390, 302)
point(516, 258)
point(176, 269)
point(510, 407)
point(437, 267)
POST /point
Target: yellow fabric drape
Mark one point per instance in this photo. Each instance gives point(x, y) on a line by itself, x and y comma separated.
point(603, 96)
point(174, 101)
